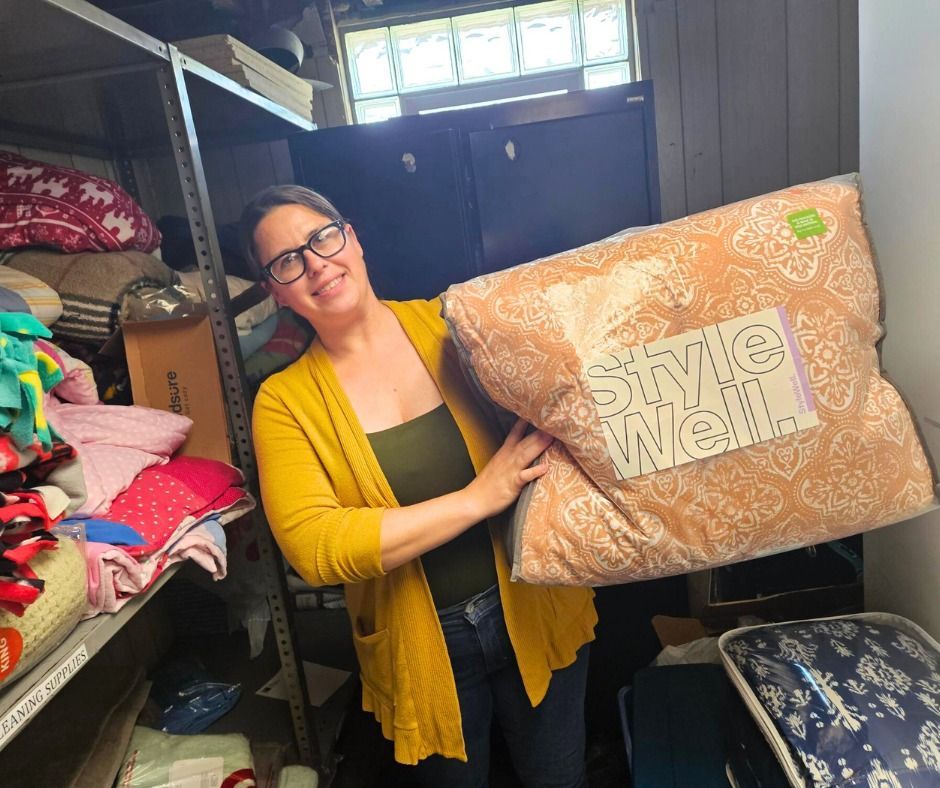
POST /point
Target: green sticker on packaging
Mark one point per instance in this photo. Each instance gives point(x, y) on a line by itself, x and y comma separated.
point(807, 223)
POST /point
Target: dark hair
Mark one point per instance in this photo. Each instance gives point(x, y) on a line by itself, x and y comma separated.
point(273, 196)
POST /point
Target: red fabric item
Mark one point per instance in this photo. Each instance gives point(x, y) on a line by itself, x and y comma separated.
point(22, 517)
point(23, 553)
point(230, 497)
point(12, 458)
point(62, 208)
point(19, 585)
point(210, 477)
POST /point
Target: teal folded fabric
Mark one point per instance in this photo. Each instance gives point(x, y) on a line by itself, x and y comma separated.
point(24, 376)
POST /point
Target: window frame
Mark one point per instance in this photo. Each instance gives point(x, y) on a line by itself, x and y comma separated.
point(396, 56)
point(477, 90)
point(626, 32)
point(513, 46)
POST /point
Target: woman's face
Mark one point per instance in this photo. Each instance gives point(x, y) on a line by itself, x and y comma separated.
point(330, 286)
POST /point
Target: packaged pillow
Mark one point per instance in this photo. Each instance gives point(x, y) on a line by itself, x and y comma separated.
point(159, 760)
point(62, 208)
point(849, 701)
point(42, 301)
point(91, 285)
point(713, 385)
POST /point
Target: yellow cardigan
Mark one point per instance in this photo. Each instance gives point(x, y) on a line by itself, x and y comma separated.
point(324, 494)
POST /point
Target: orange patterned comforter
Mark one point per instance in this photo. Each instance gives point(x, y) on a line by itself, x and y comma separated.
point(525, 334)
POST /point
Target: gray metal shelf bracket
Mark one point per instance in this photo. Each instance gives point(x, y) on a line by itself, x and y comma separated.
point(182, 130)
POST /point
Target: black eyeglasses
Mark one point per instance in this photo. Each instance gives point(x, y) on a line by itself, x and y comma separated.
point(325, 242)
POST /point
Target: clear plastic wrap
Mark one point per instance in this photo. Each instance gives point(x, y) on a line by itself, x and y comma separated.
point(848, 701)
point(162, 304)
point(189, 700)
point(159, 760)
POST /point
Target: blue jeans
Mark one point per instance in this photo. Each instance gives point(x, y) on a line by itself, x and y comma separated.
point(546, 743)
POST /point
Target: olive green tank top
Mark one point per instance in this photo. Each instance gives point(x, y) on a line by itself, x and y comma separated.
point(424, 458)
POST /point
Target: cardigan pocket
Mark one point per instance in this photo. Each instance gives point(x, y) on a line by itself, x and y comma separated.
point(375, 663)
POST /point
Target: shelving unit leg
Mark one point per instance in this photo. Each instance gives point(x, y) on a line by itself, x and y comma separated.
point(182, 131)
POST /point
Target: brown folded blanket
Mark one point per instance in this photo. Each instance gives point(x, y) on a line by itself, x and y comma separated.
point(92, 286)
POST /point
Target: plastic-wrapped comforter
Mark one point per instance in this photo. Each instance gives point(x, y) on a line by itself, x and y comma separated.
point(713, 385)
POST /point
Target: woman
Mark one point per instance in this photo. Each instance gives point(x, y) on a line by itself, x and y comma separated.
point(380, 470)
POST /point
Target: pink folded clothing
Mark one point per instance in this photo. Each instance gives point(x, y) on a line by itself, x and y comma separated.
point(116, 443)
point(113, 578)
point(130, 426)
point(205, 545)
point(163, 502)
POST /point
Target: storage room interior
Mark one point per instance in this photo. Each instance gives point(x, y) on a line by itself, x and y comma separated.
point(152, 633)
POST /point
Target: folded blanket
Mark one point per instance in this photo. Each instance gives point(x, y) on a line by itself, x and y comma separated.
point(49, 205)
point(24, 376)
point(205, 545)
point(58, 467)
point(92, 285)
point(97, 530)
point(20, 292)
point(115, 443)
point(165, 501)
point(113, 578)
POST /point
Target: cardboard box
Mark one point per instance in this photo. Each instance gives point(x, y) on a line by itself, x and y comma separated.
point(172, 365)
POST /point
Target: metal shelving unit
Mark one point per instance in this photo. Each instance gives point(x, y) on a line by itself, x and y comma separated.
point(75, 79)
point(27, 694)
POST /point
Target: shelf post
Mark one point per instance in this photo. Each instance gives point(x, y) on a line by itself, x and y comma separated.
point(182, 131)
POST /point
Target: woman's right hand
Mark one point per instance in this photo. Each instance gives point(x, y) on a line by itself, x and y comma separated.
point(498, 485)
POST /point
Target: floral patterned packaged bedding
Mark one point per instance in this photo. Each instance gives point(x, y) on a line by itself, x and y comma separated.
point(713, 385)
point(849, 701)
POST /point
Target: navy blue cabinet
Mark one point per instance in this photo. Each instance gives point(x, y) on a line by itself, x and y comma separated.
point(441, 198)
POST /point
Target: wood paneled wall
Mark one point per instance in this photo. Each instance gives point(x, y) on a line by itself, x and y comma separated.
point(751, 95)
point(100, 167)
point(233, 174)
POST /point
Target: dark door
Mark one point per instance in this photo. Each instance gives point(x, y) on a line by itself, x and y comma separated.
point(553, 185)
point(438, 199)
point(401, 190)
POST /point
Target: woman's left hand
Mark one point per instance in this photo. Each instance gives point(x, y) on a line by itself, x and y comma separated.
point(498, 485)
